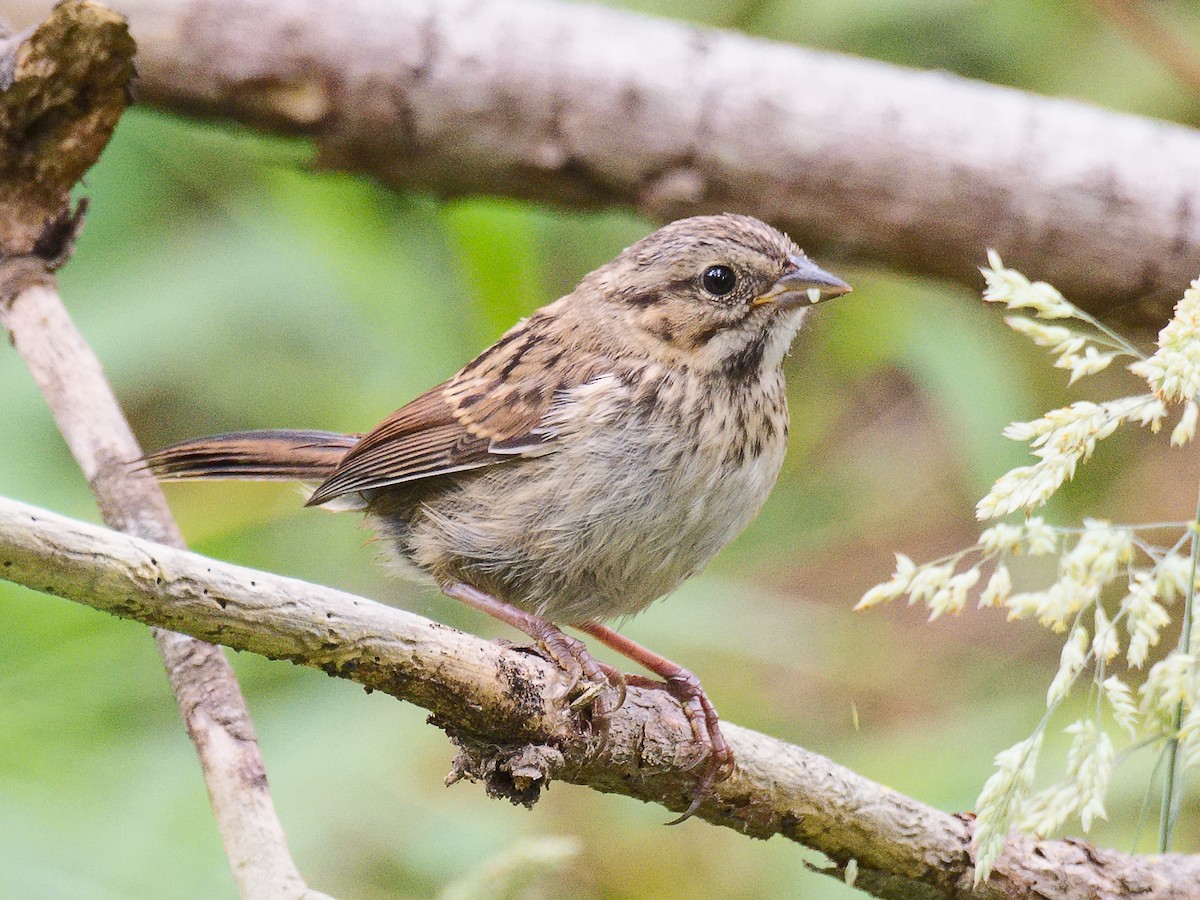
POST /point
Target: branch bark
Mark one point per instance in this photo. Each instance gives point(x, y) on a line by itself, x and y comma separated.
point(499, 705)
point(65, 84)
point(592, 107)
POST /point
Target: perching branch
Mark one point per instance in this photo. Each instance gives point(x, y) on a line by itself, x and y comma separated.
point(65, 85)
point(593, 107)
point(499, 705)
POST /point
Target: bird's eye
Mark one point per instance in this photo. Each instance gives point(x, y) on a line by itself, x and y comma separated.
point(718, 280)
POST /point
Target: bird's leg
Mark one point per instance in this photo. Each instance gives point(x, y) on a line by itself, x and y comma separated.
point(685, 687)
point(568, 653)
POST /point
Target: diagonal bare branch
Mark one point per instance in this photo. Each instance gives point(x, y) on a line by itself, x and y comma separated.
point(63, 87)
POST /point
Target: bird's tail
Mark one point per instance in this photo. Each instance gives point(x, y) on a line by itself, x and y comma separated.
point(280, 455)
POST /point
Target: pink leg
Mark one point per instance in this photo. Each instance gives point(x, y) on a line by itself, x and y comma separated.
point(569, 653)
point(700, 712)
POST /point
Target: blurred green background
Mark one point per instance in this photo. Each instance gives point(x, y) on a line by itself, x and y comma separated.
point(226, 287)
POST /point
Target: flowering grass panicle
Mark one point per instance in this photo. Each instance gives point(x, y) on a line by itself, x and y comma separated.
point(1090, 763)
point(1124, 581)
point(1120, 701)
point(1174, 370)
point(1001, 799)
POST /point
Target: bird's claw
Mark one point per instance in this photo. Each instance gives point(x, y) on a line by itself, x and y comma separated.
point(590, 683)
point(706, 732)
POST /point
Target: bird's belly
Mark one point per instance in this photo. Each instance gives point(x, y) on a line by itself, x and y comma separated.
point(592, 531)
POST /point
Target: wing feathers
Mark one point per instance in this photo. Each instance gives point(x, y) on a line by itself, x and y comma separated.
point(487, 414)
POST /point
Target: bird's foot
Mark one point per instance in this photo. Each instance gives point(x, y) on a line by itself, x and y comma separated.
point(717, 756)
point(591, 683)
point(701, 714)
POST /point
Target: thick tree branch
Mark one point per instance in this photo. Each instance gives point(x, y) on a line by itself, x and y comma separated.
point(499, 705)
point(65, 85)
point(594, 107)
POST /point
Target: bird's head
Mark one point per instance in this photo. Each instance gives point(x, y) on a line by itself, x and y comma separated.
point(715, 293)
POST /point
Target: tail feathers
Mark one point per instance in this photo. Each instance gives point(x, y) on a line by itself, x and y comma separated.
point(260, 455)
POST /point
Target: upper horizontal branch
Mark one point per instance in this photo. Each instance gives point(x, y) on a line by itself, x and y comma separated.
point(590, 107)
point(489, 697)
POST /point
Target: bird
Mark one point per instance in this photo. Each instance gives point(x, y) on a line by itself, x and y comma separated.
point(592, 459)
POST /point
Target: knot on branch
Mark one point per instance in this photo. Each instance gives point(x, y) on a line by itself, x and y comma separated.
point(514, 774)
point(63, 85)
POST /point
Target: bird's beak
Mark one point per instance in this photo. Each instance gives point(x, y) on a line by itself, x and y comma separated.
point(805, 282)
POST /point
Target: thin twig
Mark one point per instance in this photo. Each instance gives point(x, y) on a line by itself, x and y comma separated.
point(1137, 20)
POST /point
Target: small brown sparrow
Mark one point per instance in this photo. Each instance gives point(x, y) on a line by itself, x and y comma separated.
point(597, 455)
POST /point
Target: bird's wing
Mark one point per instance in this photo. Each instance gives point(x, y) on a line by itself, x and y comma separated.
point(491, 412)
